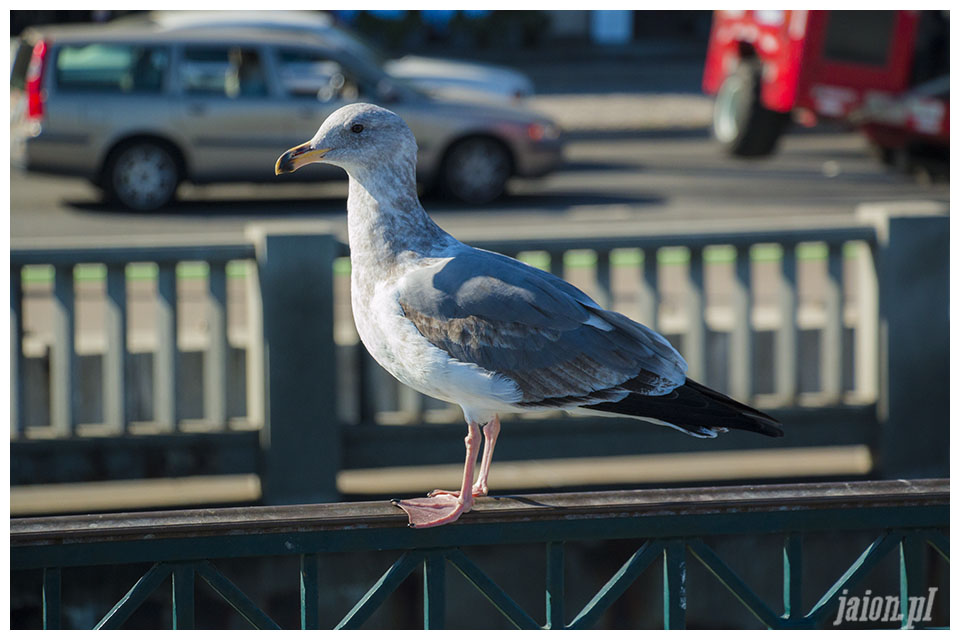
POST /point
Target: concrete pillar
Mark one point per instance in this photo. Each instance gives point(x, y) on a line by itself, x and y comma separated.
point(913, 272)
point(295, 370)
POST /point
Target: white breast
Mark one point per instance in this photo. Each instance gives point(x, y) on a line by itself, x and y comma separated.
point(397, 345)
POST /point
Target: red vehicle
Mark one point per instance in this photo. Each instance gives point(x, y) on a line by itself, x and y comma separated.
point(886, 72)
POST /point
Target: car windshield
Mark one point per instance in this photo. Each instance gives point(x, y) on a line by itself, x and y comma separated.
point(375, 75)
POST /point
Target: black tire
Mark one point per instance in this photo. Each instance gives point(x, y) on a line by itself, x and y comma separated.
point(475, 170)
point(740, 121)
point(142, 175)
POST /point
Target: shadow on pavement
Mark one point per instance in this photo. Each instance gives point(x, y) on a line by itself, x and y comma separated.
point(284, 207)
point(336, 205)
point(695, 133)
point(543, 202)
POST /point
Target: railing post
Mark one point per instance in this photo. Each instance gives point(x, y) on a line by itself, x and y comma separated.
point(215, 358)
point(913, 278)
point(16, 352)
point(785, 349)
point(695, 338)
point(604, 284)
point(183, 600)
point(166, 358)
point(63, 357)
point(555, 619)
point(115, 356)
point(650, 301)
point(831, 336)
point(740, 363)
point(793, 577)
point(309, 592)
point(913, 581)
point(556, 263)
point(675, 585)
point(866, 364)
point(295, 367)
point(51, 598)
point(434, 590)
point(367, 369)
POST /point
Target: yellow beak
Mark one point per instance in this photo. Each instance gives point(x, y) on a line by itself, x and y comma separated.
point(298, 156)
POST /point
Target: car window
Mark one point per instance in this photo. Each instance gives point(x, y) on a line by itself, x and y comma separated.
point(21, 62)
point(312, 75)
point(111, 67)
point(232, 72)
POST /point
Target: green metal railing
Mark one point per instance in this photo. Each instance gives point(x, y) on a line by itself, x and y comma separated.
point(668, 524)
point(298, 387)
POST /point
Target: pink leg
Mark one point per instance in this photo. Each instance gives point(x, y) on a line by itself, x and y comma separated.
point(445, 508)
point(490, 432)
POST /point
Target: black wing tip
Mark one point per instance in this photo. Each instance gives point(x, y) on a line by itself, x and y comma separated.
point(759, 422)
point(766, 425)
point(696, 410)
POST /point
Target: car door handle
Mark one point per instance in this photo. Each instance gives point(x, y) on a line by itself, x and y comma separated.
point(197, 108)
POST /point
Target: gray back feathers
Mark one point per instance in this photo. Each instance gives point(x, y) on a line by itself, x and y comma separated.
point(557, 344)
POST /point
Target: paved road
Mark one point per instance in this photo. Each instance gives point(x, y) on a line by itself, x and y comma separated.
point(611, 180)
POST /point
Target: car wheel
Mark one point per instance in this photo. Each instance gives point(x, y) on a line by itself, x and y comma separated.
point(740, 121)
point(142, 176)
point(476, 170)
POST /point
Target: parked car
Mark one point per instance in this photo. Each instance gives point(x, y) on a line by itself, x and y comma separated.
point(886, 72)
point(138, 110)
point(440, 77)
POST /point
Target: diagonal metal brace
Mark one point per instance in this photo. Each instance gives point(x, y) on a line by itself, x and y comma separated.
point(940, 544)
point(861, 566)
point(734, 583)
point(139, 592)
point(381, 590)
point(235, 597)
point(615, 586)
point(497, 597)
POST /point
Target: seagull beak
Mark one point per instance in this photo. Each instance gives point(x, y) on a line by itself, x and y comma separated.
point(298, 156)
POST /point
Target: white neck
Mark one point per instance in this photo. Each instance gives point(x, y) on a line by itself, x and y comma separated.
point(384, 215)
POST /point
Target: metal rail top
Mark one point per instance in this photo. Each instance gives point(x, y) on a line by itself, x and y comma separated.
point(695, 238)
point(542, 508)
point(67, 256)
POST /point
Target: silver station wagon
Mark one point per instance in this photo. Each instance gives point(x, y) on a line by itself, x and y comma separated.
point(137, 111)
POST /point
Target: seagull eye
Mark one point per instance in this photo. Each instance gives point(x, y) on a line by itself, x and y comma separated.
point(357, 128)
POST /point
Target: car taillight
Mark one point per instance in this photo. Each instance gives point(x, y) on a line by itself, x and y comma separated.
point(34, 81)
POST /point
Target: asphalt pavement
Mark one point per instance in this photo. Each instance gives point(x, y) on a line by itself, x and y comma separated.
point(639, 150)
point(611, 180)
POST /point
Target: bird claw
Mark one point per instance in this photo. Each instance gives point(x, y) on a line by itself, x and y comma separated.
point(434, 511)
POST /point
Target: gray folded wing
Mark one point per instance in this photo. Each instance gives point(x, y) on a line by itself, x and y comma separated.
point(559, 346)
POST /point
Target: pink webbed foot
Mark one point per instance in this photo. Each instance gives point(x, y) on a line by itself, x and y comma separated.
point(444, 507)
point(433, 511)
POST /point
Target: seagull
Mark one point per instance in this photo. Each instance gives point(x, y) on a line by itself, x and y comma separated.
point(482, 330)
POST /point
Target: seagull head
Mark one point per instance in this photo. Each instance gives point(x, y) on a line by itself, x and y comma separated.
point(353, 137)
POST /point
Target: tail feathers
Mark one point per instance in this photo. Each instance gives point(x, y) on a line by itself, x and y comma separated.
point(694, 409)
